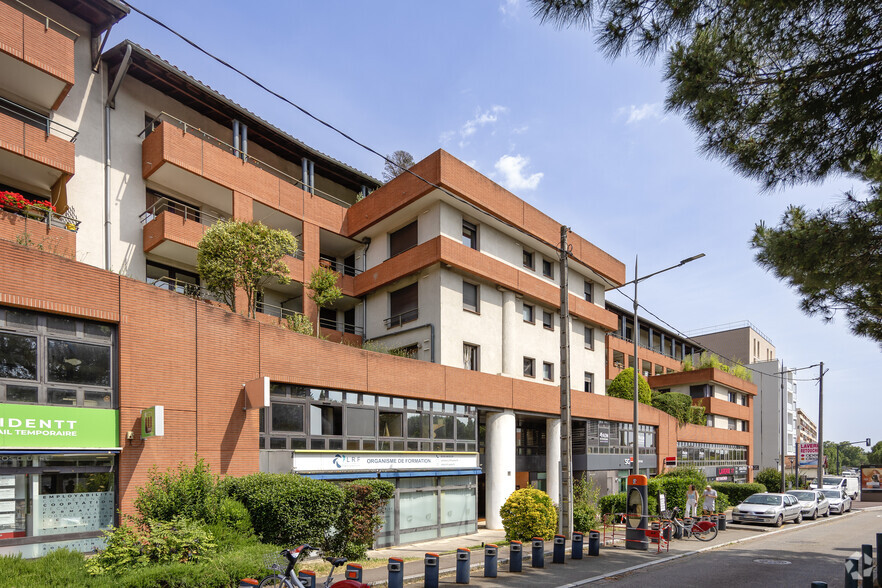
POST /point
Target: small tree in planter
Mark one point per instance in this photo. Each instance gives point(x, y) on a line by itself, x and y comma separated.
point(324, 290)
point(239, 254)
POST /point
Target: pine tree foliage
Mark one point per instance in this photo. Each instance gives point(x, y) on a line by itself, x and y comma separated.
point(785, 92)
point(832, 257)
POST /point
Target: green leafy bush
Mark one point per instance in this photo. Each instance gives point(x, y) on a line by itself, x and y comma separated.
point(617, 503)
point(738, 492)
point(190, 492)
point(675, 404)
point(696, 415)
point(287, 509)
point(299, 323)
point(157, 542)
point(674, 483)
point(361, 517)
point(622, 386)
point(586, 513)
point(770, 478)
point(61, 567)
point(528, 513)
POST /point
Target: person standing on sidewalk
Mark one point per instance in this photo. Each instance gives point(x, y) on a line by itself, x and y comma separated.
point(710, 499)
point(691, 501)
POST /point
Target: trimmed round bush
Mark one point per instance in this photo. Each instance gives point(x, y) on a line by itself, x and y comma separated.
point(528, 513)
point(622, 386)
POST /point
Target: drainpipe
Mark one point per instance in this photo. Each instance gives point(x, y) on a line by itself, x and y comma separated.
point(312, 177)
point(236, 137)
point(367, 245)
point(108, 104)
point(304, 176)
point(244, 141)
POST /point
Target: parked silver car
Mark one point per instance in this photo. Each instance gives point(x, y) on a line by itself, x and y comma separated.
point(768, 509)
point(814, 504)
point(840, 502)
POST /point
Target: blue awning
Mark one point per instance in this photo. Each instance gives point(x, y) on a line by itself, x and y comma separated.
point(415, 474)
point(343, 476)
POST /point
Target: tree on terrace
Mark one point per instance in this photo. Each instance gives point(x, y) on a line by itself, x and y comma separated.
point(239, 254)
point(784, 92)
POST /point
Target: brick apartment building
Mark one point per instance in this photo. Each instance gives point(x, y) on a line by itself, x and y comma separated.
point(102, 314)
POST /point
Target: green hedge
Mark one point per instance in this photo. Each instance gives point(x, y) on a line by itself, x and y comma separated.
point(615, 503)
point(287, 509)
point(737, 492)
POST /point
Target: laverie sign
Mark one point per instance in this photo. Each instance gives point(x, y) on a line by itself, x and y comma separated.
point(32, 426)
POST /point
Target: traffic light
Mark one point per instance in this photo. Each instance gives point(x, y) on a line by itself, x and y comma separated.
point(868, 441)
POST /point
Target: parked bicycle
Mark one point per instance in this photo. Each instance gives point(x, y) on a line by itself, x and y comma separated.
point(703, 530)
point(288, 578)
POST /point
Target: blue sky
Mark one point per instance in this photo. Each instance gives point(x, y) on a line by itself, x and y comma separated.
point(543, 113)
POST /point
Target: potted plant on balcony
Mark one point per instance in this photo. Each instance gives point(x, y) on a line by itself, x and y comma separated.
point(15, 202)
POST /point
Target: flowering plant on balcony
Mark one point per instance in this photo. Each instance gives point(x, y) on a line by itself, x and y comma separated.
point(16, 202)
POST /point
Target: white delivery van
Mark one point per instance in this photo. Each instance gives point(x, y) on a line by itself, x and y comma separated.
point(848, 484)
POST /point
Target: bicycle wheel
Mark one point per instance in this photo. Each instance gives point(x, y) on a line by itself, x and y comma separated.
point(708, 535)
point(275, 581)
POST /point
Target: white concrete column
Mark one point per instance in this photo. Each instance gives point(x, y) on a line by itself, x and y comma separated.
point(509, 324)
point(552, 459)
point(499, 463)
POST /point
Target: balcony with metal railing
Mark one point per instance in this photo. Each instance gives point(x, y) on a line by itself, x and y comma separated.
point(400, 319)
point(170, 142)
point(173, 230)
point(46, 146)
point(37, 62)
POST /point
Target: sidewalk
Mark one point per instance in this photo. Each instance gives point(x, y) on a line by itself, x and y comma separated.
point(610, 560)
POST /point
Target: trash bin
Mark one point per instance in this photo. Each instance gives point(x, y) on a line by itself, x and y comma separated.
point(463, 565)
point(491, 553)
point(538, 559)
point(593, 543)
point(721, 525)
point(559, 554)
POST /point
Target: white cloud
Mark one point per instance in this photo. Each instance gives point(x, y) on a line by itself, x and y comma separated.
point(507, 7)
point(636, 113)
point(511, 168)
point(470, 127)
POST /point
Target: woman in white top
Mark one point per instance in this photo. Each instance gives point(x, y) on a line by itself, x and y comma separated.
point(691, 501)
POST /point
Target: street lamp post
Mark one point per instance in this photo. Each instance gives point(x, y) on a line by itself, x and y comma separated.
point(636, 335)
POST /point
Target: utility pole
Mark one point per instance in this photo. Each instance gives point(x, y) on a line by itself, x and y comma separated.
point(783, 431)
point(566, 421)
point(821, 454)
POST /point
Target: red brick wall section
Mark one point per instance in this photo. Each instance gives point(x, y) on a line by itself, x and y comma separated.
point(157, 355)
point(228, 356)
point(48, 49)
point(702, 376)
point(21, 139)
point(35, 279)
point(37, 234)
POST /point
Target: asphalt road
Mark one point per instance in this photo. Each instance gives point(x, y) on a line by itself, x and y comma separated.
point(797, 556)
point(744, 555)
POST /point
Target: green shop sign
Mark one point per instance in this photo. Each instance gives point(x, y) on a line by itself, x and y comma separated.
point(27, 425)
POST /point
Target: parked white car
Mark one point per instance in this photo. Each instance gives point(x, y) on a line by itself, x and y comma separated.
point(814, 504)
point(840, 502)
point(768, 509)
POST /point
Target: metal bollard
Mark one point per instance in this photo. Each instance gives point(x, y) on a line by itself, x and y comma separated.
point(431, 562)
point(515, 556)
point(578, 544)
point(559, 555)
point(353, 572)
point(307, 578)
point(867, 565)
point(819, 584)
point(722, 524)
point(538, 559)
point(852, 570)
point(593, 543)
point(463, 565)
point(395, 571)
point(491, 554)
